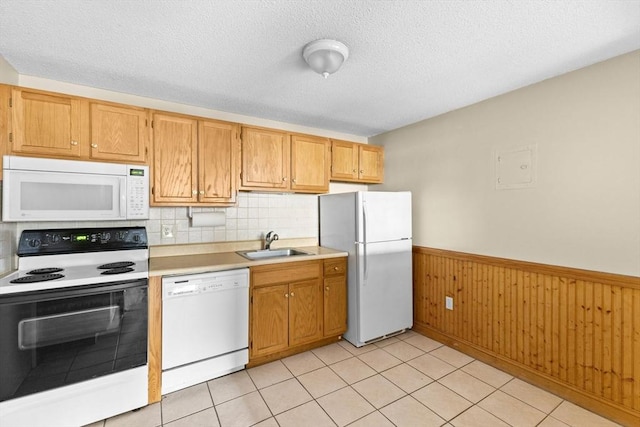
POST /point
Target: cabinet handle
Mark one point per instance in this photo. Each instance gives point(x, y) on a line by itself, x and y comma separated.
point(284, 178)
point(201, 191)
point(361, 170)
point(293, 180)
point(286, 295)
point(355, 170)
point(292, 294)
point(94, 145)
point(327, 288)
point(335, 268)
point(74, 142)
point(194, 192)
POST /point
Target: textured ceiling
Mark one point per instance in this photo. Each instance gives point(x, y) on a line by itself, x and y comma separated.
point(409, 60)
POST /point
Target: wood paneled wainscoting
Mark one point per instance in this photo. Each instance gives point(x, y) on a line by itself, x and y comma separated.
point(574, 332)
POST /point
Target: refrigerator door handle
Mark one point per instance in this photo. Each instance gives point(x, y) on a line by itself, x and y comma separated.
point(364, 283)
point(364, 221)
point(364, 237)
point(361, 254)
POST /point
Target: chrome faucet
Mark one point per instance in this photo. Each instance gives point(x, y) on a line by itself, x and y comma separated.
point(269, 238)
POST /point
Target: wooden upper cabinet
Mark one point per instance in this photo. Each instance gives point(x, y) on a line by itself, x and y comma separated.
point(279, 161)
point(265, 159)
point(195, 162)
point(118, 133)
point(175, 158)
point(354, 162)
point(217, 162)
point(344, 160)
point(371, 163)
point(5, 119)
point(45, 124)
point(310, 164)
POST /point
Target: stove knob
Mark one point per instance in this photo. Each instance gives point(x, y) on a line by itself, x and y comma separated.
point(34, 243)
point(136, 238)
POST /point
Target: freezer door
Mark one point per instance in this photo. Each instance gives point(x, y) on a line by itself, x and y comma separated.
point(383, 216)
point(384, 289)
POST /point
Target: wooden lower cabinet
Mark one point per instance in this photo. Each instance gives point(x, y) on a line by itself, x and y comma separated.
point(270, 319)
point(335, 296)
point(291, 307)
point(295, 306)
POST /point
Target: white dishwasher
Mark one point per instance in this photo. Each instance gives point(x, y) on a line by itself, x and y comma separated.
point(205, 327)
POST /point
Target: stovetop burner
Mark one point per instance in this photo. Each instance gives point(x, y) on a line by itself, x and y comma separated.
point(47, 270)
point(112, 265)
point(119, 270)
point(37, 278)
point(70, 257)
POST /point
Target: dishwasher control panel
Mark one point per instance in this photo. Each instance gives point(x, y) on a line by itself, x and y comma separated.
point(176, 286)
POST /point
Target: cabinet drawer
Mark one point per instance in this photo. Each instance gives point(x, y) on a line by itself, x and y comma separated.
point(335, 266)
point(284, 273)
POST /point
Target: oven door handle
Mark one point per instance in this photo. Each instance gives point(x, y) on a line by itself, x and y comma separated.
point(42, 331)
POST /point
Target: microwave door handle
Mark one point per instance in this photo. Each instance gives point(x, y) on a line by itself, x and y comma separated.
point(123, 198)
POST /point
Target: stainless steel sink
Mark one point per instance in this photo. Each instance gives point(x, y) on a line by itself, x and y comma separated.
point(271, 253)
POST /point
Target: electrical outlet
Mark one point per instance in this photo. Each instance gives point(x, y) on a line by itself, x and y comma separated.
point(167, 231)
point(448, 303)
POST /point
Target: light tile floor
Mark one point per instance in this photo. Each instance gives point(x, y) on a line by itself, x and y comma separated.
point(408, 380)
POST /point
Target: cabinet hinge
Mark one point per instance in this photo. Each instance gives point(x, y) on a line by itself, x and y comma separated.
point(10, 136)
point(10, 102)
point(151, 124)
point(146, 122)
point(251, 299)
point(251, 344)
point(153, 191)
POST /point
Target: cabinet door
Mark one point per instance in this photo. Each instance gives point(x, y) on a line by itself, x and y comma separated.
point(45, 124)
point(175, 176)
point(335, 305)
point(371, 163)
point(310, 164)
point(269, 319)
point(305, 312)
point(5, 118)
point(265, 159)
point(344, 160)
point(218, 157)
point(118, 133)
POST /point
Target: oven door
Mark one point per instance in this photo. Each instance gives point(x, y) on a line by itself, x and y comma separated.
point(50, 339)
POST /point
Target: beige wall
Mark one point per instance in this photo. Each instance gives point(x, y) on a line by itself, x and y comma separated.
point(584, 210)
point(8, 74)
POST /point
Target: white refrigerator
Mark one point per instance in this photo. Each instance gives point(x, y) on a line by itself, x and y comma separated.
point(374, 227)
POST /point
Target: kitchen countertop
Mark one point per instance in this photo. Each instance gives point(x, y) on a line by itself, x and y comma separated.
point(205, 262)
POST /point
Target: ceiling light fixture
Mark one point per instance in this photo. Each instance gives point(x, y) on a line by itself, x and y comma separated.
point(325, 56)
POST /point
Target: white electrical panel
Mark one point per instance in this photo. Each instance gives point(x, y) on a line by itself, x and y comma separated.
point(516, 167)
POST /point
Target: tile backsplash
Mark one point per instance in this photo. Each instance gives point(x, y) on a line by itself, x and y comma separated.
point(289, 215)
point(7, 246)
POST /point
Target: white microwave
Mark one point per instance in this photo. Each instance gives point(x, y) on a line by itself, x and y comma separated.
point(37, 189)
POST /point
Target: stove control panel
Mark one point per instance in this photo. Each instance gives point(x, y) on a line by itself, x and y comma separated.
point(78, 240)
